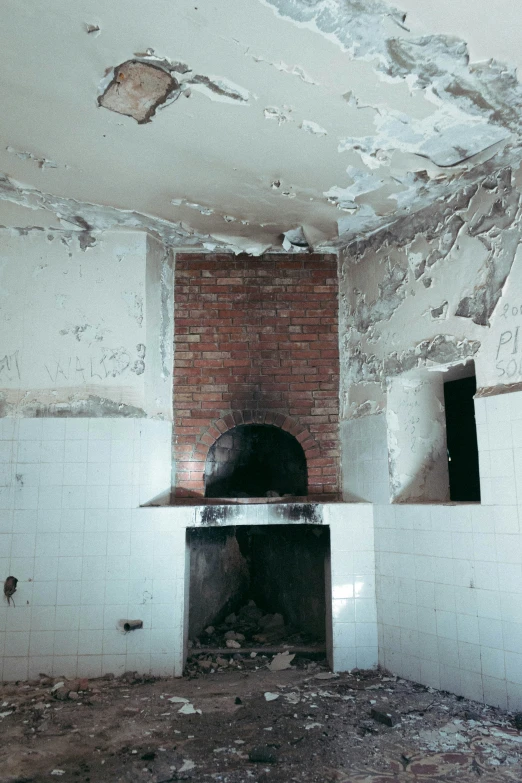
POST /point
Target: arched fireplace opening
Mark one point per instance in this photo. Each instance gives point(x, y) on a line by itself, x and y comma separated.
point(255, 460)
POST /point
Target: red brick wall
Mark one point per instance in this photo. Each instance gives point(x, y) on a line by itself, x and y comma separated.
point(256, 340)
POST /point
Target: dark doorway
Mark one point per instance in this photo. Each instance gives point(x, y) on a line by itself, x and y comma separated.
point(461, 434)
point(255, 460)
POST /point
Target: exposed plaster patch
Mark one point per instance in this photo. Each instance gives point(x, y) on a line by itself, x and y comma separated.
point(134, 304)
point(101, 217)
point(91, 407)
point(280, 115)
point(502, 241)
point(439, 312)
point(493, 391)
point(42, 163)
point(362, 182)
point(447, 137)
point(295, 240)
point(391, 293)
point(312, 127)
point(217, 88)
point(137, 89)
point(366, 408)
point(166, 327)
point(441, 349)
point(181, 202)
point(292, 70)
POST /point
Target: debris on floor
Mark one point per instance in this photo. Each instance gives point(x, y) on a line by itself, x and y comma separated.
point(252, 632)
point(298, 724)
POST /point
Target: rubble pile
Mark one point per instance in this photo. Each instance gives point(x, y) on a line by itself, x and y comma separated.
point(243, 636)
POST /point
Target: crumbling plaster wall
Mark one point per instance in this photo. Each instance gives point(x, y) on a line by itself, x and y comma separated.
point(437, 289)
point(86, 324)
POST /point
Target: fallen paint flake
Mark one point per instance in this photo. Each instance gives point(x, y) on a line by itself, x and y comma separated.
point(281, 661)
point(57, 686)
point(312, 127)
point(5, 714)
point(58, 772)
point(314, 725)
point(189, 709)
point(179, 699)
point(271, 696)
point(187, 766)
point(327, 676)
point(292, 698)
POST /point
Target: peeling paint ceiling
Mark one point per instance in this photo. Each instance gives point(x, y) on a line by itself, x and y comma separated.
point(249, 125)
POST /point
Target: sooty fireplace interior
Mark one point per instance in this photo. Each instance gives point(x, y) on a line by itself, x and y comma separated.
point(255, 460)
point(262, 585)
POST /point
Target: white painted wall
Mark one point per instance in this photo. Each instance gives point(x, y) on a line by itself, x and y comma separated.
point(81, 329)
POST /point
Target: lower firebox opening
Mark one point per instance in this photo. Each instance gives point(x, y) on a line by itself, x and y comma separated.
point(258, 588)
point(255, 460)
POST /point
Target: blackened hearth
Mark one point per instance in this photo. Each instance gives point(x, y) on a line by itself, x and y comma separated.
point(255, 460)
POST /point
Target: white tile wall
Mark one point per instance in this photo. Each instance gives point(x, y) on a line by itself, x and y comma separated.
point(364, 447)
point(449, 598)
point(354, 608)
point(87, 556)
point(69, 496)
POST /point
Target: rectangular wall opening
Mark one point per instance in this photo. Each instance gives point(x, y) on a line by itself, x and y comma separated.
point(461, 437)
point(263, 587)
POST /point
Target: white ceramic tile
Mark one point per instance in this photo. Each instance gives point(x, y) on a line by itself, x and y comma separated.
point(495, 692)
point(75, 451)
point(513, 663)
point(100, 429)
point(76, 429)
point(490, 633)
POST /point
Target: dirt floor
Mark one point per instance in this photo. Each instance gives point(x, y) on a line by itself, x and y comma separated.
point(300, 724)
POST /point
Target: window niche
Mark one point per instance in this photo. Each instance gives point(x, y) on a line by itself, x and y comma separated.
point(424, 412)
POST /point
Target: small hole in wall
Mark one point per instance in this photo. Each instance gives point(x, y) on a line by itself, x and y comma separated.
point(461, 436)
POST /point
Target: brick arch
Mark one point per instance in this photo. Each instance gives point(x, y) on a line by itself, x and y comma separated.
point(190, 471)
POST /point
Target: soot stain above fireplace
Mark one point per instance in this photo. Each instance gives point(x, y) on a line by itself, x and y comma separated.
point(304, 513)
point(287, 512)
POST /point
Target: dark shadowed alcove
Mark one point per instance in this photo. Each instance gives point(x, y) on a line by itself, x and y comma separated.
point(252, 460)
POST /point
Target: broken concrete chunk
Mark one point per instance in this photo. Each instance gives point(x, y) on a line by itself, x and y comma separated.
point(137, 89)
point(239, 637)
point(271, 621)
point(232, 644)
point(271, 696)
point(281, 661)
point(383, 717)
